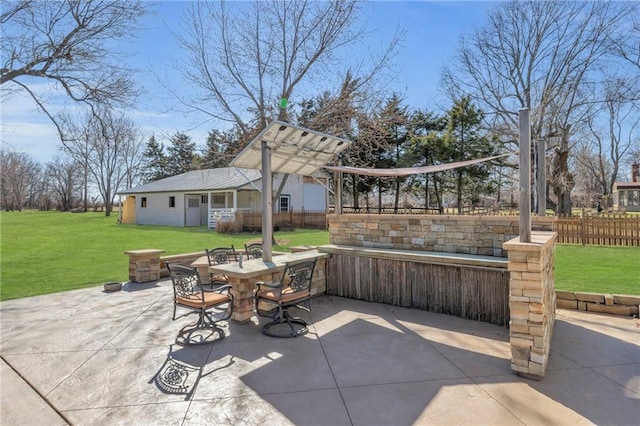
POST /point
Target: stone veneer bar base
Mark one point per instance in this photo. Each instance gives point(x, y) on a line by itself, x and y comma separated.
point(532, 303)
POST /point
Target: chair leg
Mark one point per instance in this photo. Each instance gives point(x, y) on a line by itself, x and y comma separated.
point(296, 325)
point(203, 331)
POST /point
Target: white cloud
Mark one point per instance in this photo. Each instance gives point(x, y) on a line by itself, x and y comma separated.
point(24, 128)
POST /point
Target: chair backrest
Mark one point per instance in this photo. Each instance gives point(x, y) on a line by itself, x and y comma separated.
point(253, 250)
point(297, 276)
point(221, 255)
point(186, 280)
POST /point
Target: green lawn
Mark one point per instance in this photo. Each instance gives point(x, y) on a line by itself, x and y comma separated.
point(596, 269)
point(47, 252)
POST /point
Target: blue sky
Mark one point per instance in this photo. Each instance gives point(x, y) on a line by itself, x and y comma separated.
point(432, 34)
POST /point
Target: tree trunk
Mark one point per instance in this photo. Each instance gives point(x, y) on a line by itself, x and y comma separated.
point(397, 198)
point(438, 196)
point(562, 184)
point(459, 192)
point(379, 196)
point(356, 204)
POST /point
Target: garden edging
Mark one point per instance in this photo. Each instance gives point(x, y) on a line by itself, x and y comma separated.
point(615, 304)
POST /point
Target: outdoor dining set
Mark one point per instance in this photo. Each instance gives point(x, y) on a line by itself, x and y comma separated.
point(272, 300)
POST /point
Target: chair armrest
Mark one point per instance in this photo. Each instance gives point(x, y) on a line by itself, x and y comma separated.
point(270, 285)
point(218, 290)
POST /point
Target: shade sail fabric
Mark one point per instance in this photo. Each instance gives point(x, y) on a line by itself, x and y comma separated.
point(405, 171)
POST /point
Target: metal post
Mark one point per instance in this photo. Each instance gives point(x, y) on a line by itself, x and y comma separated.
point(267, 204)
point(337, 193)
point(525, 176)
point(541, 173)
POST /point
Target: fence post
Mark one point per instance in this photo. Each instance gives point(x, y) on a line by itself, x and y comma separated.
point(582, 226)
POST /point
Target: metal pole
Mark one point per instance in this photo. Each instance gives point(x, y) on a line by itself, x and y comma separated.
point(542, 179)
point(337, 193)
point(525, 176)
point(267, 204)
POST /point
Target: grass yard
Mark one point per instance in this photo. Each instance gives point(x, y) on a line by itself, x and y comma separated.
point(47, 252)
point(597, 269)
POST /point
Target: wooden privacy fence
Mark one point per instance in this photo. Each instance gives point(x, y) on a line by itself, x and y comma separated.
point(599, 230)
point(476, 293)
point(304, 219)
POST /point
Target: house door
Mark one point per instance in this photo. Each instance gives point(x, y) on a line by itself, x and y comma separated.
point(193, 210)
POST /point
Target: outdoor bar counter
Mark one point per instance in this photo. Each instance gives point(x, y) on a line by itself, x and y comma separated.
point(243, 279)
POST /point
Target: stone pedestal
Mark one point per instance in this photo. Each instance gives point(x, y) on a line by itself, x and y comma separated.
point(532, 303)
point(144, 265)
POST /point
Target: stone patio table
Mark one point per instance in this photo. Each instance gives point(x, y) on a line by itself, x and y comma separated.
point(243, 279)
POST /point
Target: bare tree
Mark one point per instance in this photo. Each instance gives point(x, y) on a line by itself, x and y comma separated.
point(19, 175)
point(612, 133)
point(249, 60)
point(626, 42)
point(538, 55)
point(65, 177)
point(245, 59)
point(133, 157)
point(68, 44)
point(103, 142)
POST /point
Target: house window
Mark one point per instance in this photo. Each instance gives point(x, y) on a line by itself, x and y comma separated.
point(217, 200)
point(172, 201)
point(143, 202)
point(285, 201)
point(204, 199)
point(194, 202)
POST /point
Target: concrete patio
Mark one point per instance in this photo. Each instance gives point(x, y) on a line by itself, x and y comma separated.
point(89, 357)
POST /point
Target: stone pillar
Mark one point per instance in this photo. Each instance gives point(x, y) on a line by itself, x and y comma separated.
point(243, 290)
point(532, 302)
point(144, 265)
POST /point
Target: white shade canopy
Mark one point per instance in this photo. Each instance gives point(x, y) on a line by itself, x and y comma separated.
point(406, 171)
point(294, 149)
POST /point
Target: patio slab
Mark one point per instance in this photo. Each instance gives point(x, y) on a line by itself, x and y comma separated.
point(89, 357)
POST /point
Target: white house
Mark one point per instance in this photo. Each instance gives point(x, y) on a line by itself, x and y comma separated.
point(204, 197)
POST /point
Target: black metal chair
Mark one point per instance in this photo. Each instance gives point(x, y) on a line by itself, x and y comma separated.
point(220, 256)
point(274, 300)
point(212, 306)
point(253, 250)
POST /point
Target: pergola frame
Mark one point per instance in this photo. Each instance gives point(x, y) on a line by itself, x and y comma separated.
point(285, 148)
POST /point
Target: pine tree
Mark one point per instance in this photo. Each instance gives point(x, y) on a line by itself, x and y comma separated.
point(427, 148)
point(181, 156)
point(468, 141)
point(394, 120)
point(219, 146)
point(155, 161)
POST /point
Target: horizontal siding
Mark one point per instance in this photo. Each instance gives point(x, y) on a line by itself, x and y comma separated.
point(158, 211)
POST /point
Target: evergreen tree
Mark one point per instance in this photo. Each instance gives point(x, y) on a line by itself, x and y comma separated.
point(394, 121)
point(426, 147)
point(181, 156)
point(155, 161)
point(467, 141)
point(218, 146)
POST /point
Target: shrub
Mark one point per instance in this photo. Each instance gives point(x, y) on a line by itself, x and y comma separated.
point(229, 227)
